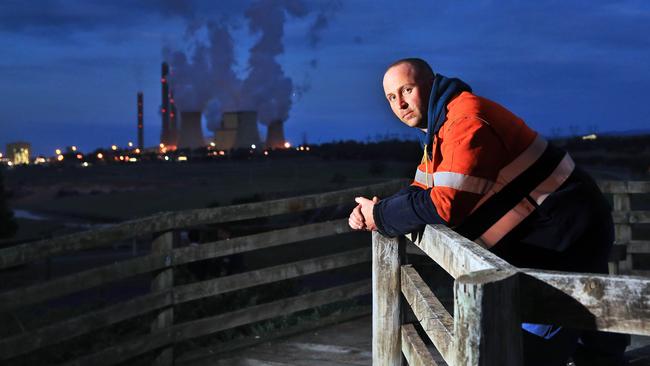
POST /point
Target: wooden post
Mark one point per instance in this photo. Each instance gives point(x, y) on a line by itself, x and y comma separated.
point(487, 320)
point(164, 280)
point(386, 340)
point(623, 232)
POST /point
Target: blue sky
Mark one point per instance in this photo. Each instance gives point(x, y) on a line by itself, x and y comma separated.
point(71, 69)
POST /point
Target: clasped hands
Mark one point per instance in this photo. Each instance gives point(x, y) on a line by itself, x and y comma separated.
point(361, 217)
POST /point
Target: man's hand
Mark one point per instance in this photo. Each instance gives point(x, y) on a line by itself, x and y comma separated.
point(364, 210)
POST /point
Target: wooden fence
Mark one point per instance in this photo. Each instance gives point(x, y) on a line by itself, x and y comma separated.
point(160, 263)
point(481, 278)
point(492, 298)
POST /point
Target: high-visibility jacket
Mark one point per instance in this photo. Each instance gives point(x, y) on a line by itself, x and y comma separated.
point(488, 172)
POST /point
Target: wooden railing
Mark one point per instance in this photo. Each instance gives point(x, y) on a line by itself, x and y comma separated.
point(492, 298)
point(165, 255)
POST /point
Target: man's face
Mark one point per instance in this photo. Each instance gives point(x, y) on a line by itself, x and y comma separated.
point(408, 94)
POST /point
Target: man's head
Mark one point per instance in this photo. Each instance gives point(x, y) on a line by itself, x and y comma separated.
point(407, 86)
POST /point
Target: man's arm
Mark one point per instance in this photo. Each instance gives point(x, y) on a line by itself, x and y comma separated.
point(400, 214)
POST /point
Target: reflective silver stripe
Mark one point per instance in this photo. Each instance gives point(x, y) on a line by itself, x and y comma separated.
point(462, 182)
point(516, 215)
point(421, 177)
point(516, 167)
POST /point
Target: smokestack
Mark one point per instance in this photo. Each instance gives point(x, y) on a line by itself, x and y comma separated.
point(140, 124)
point(164, 110)
point(275, 135)
point(191, 133)
point(173, 116)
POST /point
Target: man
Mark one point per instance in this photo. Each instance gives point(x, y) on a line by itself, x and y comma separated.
point(494, 180)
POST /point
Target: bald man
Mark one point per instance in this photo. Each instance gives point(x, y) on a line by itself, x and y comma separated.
point(493, 179)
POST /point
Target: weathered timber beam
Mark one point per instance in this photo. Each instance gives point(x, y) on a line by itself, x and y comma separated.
point(113, 272)
point(620, 186)
point(456, 254)
point(589, 301)
point(271, 274)
point(487, 327)
point(386, 261)
point(433, 317)
point(126, 350)
point(28, 252)
point(80, 325)
point(81, 281)
point(631, 217)
point(260, 241)
point(638, 246)
point(414, 350)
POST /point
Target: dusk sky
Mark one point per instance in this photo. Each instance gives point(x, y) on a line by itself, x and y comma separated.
point(70, 69)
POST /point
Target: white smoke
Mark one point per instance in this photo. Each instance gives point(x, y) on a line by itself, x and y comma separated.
point(203, 76)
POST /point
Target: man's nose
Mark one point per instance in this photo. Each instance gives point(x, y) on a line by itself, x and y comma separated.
point(403, 104)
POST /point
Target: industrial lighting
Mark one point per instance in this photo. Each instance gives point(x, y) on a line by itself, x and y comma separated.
point(73, 148)
point(302, 148)
point(59, 158)
point(79, 156)
point(307, 148)
point(222, 153)
point(213, 144)
point(57, 151)
point(113, 147)
point(100, 156)
point(287, 144)
point(592, 136)
point(0, 155)
point(121, 157)
point(133, 160)
point(38, 160)
point(182, 158)
point(85, 164)
point(130, 144)
point(266, 153)
point(10, 163)
point(137, 151)
point(253, 146)
point(166, 158)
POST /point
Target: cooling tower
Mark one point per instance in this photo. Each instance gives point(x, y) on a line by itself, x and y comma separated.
point(190, 134)
point(238, 131)
point(275, 135)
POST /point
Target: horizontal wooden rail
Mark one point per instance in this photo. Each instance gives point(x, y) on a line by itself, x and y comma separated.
point(414, 350)
point(639, 246)
point(271, 274)
point(83, 324)
point(631, 217)
point(433, 317)
point(618, 186)
point(117, 271)
point(456, 254)
point(28, 252)
point(185, 331)
point(581, 300)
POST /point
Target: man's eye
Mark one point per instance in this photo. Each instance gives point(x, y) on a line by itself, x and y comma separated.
point(408, 90)
point(391, 98)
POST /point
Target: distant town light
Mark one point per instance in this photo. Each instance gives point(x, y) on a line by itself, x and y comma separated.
point(266, 152)
point(57, 151)
point(137, 151)
point(10, 163)
point(253, 146)
point(222, 153)
point(590, 137)
point(85, 164)
point(113, 147)
point(133, 160)
point(182, 158)
point(73, 148)
point(0, 155)
point(213, 144)
point(287, 144)
point(79, 156)
point(121, 157)
point(100, 156)
point(307, 148)
point(166, 158)
point(59, 158)
point(130, 144)
point(38, 160)
point(302, 148)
